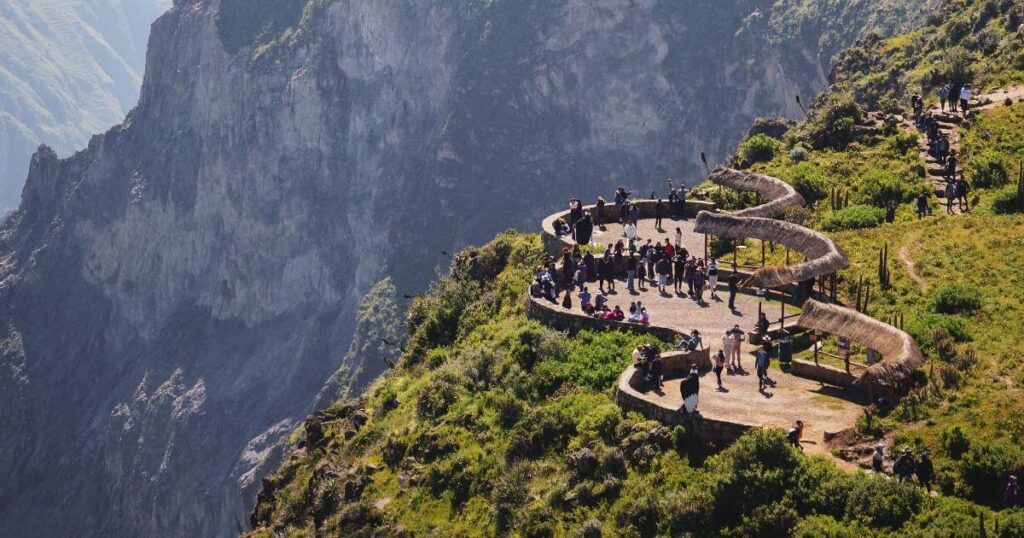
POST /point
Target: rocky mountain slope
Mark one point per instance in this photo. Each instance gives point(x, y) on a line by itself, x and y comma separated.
point(176, 296)
point(70, 69)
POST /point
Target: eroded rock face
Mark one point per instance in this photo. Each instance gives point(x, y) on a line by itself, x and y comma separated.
point(174, 297)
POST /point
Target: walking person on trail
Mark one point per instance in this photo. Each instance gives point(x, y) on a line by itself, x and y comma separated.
point(950, 193)
point(737, 348)
point(961, 193)
point(719, 366)
point(713, 277)
point(689, 389)
point(965, 98)
point(943, 96)
point(951, 162)
point(878, 458)
point(904, 466)
point(795, 434)
point(925, 471)
point(922, 205)
point(761, 363)
point(954, 93)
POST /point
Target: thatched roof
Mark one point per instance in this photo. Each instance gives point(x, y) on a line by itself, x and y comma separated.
point(780, 194)
point(823, 255)
point(900, 353)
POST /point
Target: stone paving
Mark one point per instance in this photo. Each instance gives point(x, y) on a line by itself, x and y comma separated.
point(823, 408)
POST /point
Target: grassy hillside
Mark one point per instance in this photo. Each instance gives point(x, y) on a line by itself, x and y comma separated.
point(492, 424)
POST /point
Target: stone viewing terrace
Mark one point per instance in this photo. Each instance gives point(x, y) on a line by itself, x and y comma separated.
point(827, 400)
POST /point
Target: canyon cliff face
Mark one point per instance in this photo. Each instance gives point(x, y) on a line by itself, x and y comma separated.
point(69, 69)
point(175, 297)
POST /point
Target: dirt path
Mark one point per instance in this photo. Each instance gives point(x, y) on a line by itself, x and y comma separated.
point(909, 262)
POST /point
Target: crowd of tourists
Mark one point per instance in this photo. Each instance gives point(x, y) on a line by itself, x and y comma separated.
point(939, 148)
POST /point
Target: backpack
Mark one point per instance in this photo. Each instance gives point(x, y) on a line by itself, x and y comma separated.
point(792, 435)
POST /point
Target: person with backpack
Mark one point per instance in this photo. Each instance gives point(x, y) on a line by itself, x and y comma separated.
point(878, 458)
point(904, 466)
point(795, 434)
point(925, 471)
point(943, 96)
point(664, 269)
point(699, 281)
point(961, 193)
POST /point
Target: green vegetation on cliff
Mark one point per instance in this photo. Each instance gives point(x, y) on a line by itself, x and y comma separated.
point(492, 424)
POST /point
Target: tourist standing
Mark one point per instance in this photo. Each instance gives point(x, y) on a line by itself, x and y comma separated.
point(761, 366)
point(961, 193)
point(925, 471)
point(878, 458)
point(733, 287)
point(689, 389)
point(659, 212)
point(719, 366)
point(631, 263)
point(713, 277)
point(922, 205)
point(904, 466)
point(1010, 494)
point(950, 193)
point(943, 96)
point(678, 268)
point(698, 284)
point(737, 348)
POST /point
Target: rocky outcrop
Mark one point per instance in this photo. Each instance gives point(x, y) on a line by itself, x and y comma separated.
point(176, 295)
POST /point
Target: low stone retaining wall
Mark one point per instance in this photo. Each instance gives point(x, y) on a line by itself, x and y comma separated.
point(553, 244)
point(553, 315)
point(676, 365)
point(824, 374)
point(707, 429)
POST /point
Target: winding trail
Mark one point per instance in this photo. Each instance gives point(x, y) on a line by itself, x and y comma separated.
point(909, 262)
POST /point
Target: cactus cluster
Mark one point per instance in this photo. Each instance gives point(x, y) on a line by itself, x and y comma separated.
point(839, 199)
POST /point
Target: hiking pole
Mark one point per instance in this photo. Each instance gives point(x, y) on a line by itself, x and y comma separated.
point(704, 159)
point(801, 105)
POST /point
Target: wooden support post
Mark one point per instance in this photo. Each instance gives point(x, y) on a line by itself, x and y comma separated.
point(762, 253)
point(782, 318)
point(705, 247)
point(814, 342)
point(787, 255)
point(734, 241)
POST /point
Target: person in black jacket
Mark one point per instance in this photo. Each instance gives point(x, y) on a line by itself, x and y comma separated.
point(734, 284)
point(659, 212)
point(584, 229)
point(925, 471)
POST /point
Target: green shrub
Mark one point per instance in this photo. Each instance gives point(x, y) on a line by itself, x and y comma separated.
point(435, 398)
point(984, 469)
point(922, 327)
point(827, 527)
point(956, 298)
point(853, 218)
point(832, 121)
point(882, 502)
point(810, 181)
point(882, 188)
point(955, 441)
point(1008, 201)
point(987, 170)
point(775, 519)
point(759, 148)
point(639, 514)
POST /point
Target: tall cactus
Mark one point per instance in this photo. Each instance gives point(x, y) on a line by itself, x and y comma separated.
point(883, 266)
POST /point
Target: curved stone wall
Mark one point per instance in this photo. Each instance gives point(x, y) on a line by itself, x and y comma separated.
point(553, 244)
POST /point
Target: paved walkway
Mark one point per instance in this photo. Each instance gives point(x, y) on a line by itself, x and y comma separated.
point(822, 408)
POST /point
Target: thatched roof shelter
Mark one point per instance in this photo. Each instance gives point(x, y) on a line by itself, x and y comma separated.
point(823, 255)
point(900, 354)
point(780, 194)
